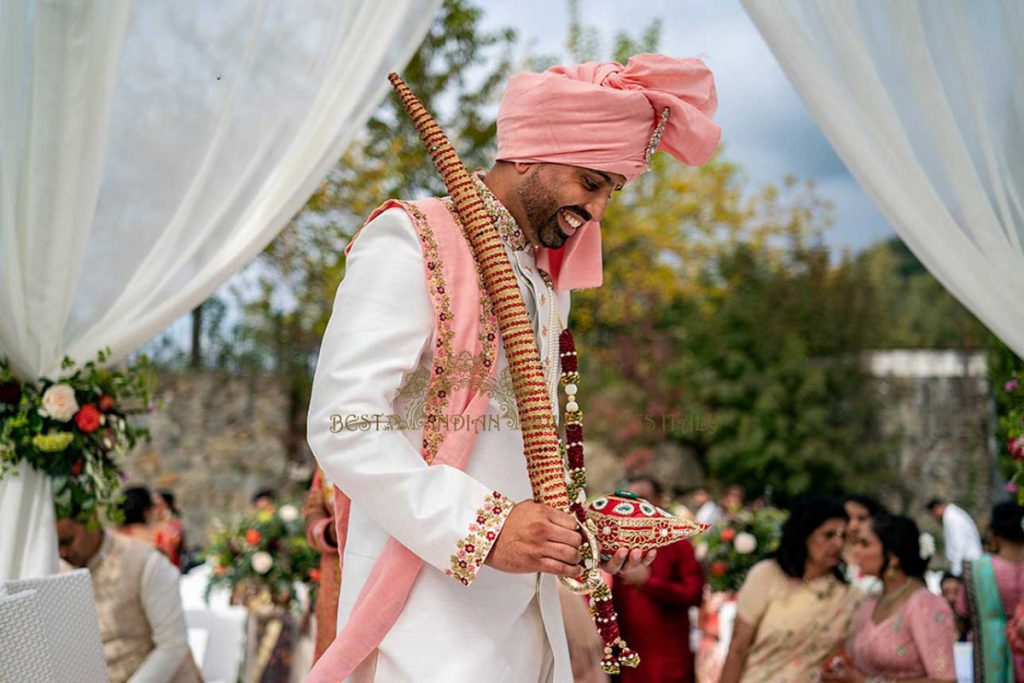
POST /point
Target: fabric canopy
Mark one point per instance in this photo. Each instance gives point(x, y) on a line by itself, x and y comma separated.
point(147, 152)
point(924, 102)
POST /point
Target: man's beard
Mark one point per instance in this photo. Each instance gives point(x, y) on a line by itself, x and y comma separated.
point(541, 208)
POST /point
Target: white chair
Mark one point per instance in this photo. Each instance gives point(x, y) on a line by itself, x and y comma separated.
point(25, 654)
point(67, 612)
point(221, 658)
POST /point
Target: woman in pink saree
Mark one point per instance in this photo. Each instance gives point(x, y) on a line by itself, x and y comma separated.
point(906, 633)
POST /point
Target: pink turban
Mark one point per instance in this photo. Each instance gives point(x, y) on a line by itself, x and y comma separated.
point(603, 116)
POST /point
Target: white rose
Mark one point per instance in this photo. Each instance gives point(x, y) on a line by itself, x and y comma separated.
point(59, 402)
point(701, 551)
point(745, 543)
point(262, 562)
point(288, 513)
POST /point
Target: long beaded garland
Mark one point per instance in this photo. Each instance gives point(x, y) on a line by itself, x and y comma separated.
point(616, 653)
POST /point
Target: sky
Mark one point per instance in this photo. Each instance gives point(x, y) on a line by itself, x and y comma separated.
point(766, 129)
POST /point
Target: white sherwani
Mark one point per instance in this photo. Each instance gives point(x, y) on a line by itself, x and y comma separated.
point(375, 360)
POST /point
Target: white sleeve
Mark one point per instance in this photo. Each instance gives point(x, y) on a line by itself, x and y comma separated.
point(382, 322)
point(953, 536)
point(162, 604)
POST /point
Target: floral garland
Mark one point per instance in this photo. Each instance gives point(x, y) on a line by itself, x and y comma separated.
point(266, 553)
point(76, 430)
point(1012, 424)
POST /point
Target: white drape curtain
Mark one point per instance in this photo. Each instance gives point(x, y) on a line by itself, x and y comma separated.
point(924, 102)
point(147, 151)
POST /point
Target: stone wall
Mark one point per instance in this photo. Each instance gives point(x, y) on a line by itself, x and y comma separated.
point(938, 412)
point(216, 440)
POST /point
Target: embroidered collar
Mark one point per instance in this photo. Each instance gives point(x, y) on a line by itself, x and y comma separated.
point(509, 230)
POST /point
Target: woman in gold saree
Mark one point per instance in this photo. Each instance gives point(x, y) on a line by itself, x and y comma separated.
point(794, 609)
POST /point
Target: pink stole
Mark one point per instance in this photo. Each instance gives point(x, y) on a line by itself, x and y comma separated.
point(457, 294)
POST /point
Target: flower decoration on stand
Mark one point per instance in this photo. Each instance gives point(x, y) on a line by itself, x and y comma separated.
point(266, 555)
point(735, 545)
point(76, 430)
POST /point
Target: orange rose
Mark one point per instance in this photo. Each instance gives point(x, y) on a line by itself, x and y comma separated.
point(719, 568)
point(252, 537)
point(106, 402)
point(728, 533)
point(314, 574)
point(219, 570)
point(88, 418)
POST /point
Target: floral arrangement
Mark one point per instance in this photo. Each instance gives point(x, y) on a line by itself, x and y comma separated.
point(266, 553)
point(76, 430)
point(1011, 423)
point(733, 546)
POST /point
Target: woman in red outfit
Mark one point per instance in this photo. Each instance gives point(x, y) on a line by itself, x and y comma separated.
point(653, 603)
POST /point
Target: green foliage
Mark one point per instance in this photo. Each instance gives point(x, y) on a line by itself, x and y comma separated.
point(919, 312)
point(76, 430)
point(1006, 373)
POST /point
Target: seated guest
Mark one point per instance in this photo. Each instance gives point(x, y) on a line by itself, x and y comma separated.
point(653, 603)
point(992, 587)
point(907, 632)
point(794, 609)
point(141, 621)
point(168, 532)
point(138, 514)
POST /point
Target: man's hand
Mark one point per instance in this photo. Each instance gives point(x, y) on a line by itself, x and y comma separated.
point(635, 576)
point(629, 561)
point(537, 538)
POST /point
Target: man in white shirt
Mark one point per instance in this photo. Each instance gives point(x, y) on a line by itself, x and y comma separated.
point(141, 621)
point(959, 534)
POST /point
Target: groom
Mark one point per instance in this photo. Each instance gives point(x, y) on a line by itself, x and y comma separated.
point(449, 572)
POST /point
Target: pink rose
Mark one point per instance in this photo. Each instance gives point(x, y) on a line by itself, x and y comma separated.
point(1016, 448)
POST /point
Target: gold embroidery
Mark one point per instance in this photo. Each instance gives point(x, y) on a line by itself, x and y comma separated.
point(508, 228)
point(466, 374)
point(483, 531)
point(437, 392)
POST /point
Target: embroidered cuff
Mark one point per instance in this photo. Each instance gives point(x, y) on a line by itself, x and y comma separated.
point(473, 549)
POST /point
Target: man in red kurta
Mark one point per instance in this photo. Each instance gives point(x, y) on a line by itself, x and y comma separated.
point(653, 604)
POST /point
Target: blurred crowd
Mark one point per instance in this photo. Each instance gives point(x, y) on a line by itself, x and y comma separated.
point(852, 592)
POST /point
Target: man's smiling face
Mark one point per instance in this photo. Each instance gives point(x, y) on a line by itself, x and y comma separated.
point(558, 200)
